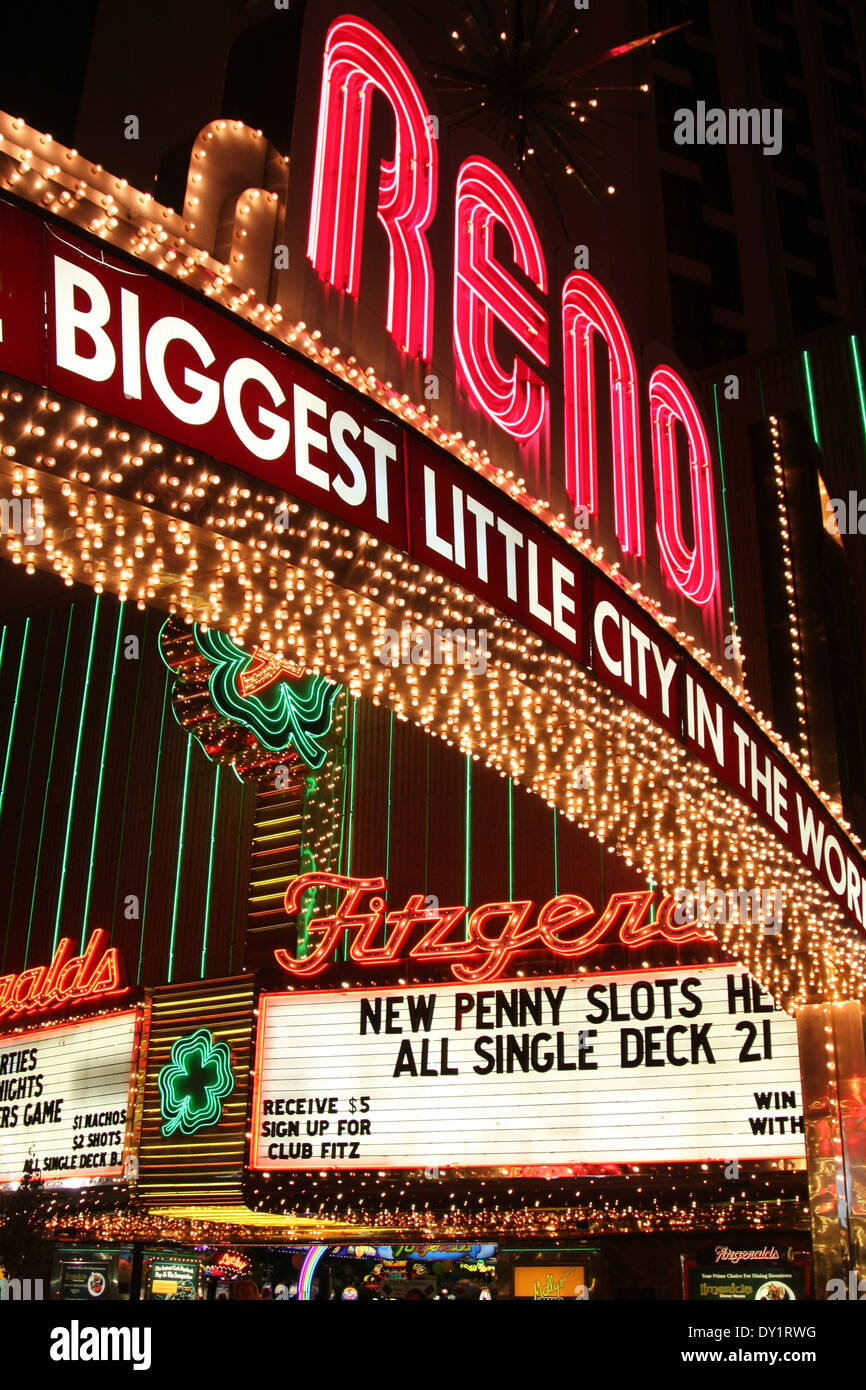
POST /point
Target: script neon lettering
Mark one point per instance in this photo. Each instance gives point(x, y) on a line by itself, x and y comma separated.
point(95, 974)
point(483, 954)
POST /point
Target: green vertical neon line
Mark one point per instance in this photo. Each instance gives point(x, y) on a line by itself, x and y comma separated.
point(340, 868)
point(2, 645)
point(179, 869)
point(810, 391)
point(724, 503)
point(213, 820)
point(242, 852)
point(61, 887)
point(48, 782)
point(351, 792)
point(858, 374)
point(427, 821)
point(388, 823)
point(27, 785)
point(14, 713)
point(351, 824)
point(168, 681)
point(467, 853)
point(555, 852)
point(105, 729)
point(132, 746)
point(510, 839)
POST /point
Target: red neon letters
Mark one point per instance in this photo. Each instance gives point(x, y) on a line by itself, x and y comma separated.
point(586, 310)
point(380, 937)
point(93, 975)
point(695, 572)
point(484, 293)
point(358, 59)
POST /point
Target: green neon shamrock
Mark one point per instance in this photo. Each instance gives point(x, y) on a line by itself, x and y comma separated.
point(193, 1084)
point(289, 713)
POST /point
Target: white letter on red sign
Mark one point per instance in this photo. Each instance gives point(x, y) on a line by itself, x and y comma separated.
point(586, 310)
point(358, 60)
point(485, 293)
point(695, 572)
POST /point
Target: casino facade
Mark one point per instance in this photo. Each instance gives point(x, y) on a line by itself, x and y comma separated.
point(430, 784)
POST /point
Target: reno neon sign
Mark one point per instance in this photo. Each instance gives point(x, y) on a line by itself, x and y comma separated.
point(488, 301)
point(493, 935)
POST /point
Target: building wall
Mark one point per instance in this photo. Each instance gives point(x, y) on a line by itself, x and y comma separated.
point(104, 798)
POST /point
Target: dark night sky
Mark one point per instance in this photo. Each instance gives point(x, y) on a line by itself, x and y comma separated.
point(43, 63)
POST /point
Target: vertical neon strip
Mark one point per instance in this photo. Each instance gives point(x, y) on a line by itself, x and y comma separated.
point(48, 781)
point(213, 820)
point(308, 1269)
point(179, 869)
point(105, 728)
point(241, 855)
point(345, 779)
point(14, 713)
point(810, 391)
point(132, 725)
point(858, 376)
point(724, 503)
point(27, 784)
point(555, 852)
point(168, 683)
point(467, 852)
point(427, 823)
point(61, 887)
point(390, 768)
point(510, 839)
point(351, 823)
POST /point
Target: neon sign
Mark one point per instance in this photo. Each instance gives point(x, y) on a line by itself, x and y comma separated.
point(194, 1083)
point(95, 974)
point(224, 694)
point(358, 60)
point(563, 926)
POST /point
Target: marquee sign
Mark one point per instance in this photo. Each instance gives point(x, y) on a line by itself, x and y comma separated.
point(97, 974)
point(65, 1099)
point(131, 345)
point(655, 1066)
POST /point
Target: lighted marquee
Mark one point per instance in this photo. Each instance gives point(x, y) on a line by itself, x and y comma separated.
point(143, 518)
point(65, 1099)
point(655, 1066)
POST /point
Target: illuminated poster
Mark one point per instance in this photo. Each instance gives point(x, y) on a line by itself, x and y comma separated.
point(654, 1066)
point(766, 1275)
point(64, 1099)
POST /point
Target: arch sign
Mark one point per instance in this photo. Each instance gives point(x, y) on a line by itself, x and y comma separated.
point(142, 333)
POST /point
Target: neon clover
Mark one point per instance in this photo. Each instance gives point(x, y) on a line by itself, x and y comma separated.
point(194, 1083)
